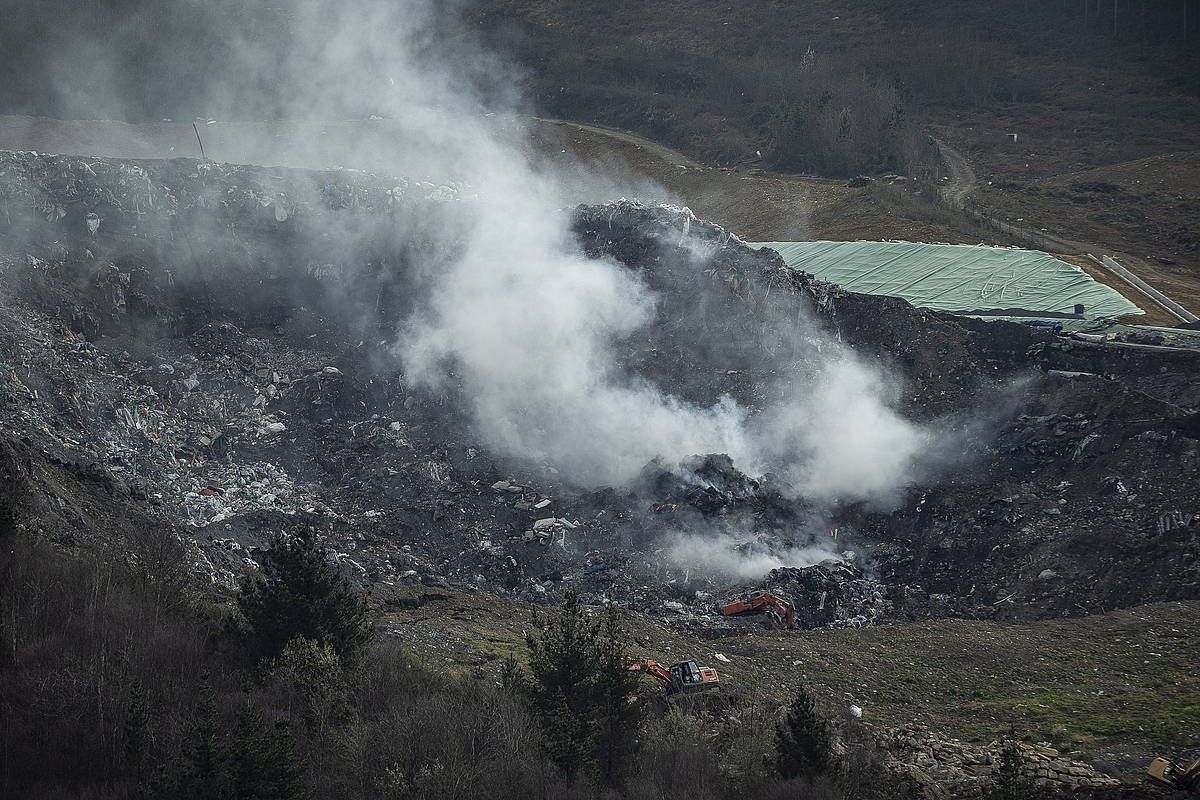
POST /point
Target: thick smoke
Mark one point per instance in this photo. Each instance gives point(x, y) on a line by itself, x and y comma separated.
point(530, 327)
point(525, 322)
point(837, 436)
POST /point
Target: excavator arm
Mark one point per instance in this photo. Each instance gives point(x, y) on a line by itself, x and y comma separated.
point(763, 602)
point(652, 667)
point(1183, 774)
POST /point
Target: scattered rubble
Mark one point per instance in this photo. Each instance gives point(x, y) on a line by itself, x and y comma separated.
point(950, 768)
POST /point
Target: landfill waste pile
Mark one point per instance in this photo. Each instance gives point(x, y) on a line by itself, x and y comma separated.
point(211, 350)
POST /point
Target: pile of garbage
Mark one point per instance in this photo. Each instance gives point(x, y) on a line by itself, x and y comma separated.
point(211, 347)
point(833, 594)
point(710, 484)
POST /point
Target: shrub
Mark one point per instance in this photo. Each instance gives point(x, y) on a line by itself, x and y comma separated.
point(677, 762)
point(313, 687)
point(1010, 783)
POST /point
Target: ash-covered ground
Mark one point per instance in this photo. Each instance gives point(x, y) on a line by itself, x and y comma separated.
point(218, 352)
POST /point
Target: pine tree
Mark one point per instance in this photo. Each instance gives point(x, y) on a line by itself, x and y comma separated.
point(802, 743)
point(1010, 783)
point(512, 678)
point(563, 663)
point(580, 691)
point(617, 717)
point(264, 764)
point(199, 773)
point(301, 595)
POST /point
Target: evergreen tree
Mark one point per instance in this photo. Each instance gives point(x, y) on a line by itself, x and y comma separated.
point(263, 761)
point(563, 663)
point(199, 773)
point(617, 717)
point(1010, 782)
point(802, 744)
point(512, 678)
point(580, 691)
point(301, 595)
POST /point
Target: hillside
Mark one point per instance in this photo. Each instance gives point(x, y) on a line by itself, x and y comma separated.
point(395, 403)
point(971, 680)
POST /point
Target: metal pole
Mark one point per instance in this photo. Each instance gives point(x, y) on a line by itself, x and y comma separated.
point(197, 130)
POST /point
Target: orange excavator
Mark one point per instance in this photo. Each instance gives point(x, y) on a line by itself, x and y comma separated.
point(685, 676)
point(763, 603)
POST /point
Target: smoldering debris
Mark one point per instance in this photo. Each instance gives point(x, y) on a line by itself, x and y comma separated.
point(232, 394)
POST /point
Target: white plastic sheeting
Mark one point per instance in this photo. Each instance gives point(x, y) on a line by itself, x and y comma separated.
point(957, 277)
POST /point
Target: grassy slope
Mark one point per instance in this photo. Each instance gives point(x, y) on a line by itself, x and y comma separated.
point(1112, 684)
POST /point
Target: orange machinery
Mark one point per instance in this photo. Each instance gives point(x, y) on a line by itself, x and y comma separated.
point(685, 676)
point(763, 603)
point(1182, 774)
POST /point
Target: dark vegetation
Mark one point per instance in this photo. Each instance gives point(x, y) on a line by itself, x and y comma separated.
point(298, 597)
point(107, 691)
point(813, 87)
point(1010, 781)
point(802, 741)
point(823, 87)
point(579, 691)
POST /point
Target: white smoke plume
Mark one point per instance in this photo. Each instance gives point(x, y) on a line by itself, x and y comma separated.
point(527, 324)
point(530, 327)
point(838, 437)
point(730, 556)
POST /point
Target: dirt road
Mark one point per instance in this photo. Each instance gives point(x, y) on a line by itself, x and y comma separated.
point(961, 177)
point(652, 148)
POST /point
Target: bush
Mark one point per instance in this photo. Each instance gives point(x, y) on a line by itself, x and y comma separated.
point(420, 733)
point(676, 762)
point(1010, 782)
point(308, 675)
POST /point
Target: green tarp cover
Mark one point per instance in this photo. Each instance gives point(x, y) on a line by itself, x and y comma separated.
point(957, 277)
